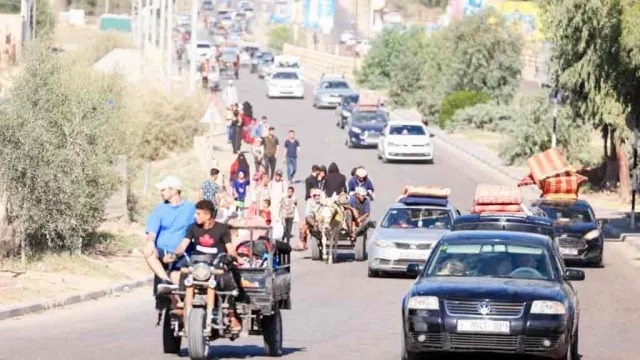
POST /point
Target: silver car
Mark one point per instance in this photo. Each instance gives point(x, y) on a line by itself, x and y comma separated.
point(407, 233)
point(330, 90)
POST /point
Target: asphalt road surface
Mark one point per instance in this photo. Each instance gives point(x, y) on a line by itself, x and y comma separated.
point(338, 313)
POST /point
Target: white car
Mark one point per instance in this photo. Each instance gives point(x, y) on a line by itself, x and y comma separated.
point(405, 140)
point(285, 83)
point(204, 49)
point(348, 38)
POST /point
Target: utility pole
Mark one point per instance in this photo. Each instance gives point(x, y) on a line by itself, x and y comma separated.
point(154, 23)
point(163, 23)
point(34, 18)
point(554, 137)
point(140, 36)
point(169, 44)
point(107, 5)
point(634, 184)
point(192, 49)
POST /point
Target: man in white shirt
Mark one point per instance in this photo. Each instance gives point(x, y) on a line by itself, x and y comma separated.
point(230, 94)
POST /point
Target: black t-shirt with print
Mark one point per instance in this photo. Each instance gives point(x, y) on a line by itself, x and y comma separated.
point(209, 241)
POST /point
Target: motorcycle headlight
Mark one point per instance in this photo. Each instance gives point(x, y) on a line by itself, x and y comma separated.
point(593, 234)
point(424, 303)
point(547, 308)
point(356, 130)
point(201, 272)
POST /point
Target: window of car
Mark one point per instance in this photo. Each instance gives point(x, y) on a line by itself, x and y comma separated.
point(369, 118)
point(417, 218)
point(203, 46)
point(568, 212)
point(480, 258)
point(407, 130)
point(335, 85)
point(504, 226)
point(286, 76)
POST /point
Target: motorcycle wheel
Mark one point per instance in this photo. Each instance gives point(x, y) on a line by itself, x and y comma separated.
point(170, 342)
point(272, 333)
point(198, 345)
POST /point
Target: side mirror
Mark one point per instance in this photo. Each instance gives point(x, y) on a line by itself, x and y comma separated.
point(413, 269)
point(372, 224)
point(574, 275)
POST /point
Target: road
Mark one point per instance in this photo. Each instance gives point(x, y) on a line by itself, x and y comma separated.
point(338, 313)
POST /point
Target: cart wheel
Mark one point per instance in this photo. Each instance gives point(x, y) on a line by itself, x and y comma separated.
point(361, 247)
point(272, 333)
point(170, 342)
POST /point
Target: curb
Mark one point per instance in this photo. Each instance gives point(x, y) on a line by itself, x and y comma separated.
point(26, 309)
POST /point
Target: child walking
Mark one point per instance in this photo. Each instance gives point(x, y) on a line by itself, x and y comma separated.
point(288, 212)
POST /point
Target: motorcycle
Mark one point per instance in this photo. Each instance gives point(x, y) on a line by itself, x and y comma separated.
point(213, 288)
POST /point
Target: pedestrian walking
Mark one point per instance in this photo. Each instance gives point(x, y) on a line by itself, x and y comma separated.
point(210, 187)
point(257, 150)
point(291, 152)
point(271, 146)
point(236, 131)
point(289, 213)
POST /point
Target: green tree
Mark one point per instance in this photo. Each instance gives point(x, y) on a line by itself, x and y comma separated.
point(480, 53)
point(593, 63)
point(435, 3)
point(387, 50)
point(457, 101)
point(405, 83)
point(280, 35)
point(61, 133)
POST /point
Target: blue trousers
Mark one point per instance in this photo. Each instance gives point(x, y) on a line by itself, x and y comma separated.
point(292, 167)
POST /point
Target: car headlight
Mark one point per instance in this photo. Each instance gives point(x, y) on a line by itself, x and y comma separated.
point(593, 234)
point(356, 130)
point(201, 272)
point(383, 243)
point(424, 303)
point(548, 307)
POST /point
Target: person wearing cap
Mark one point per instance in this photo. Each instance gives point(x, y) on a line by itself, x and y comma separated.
point(312, 205)
point(311, 182)
point(165, 228)
point(361, 179)
point(358, 211)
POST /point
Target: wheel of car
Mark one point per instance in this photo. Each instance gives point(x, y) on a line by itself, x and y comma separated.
point(373, 273)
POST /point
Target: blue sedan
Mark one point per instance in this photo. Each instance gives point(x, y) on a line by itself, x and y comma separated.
point(495, 292)
point(365, 128)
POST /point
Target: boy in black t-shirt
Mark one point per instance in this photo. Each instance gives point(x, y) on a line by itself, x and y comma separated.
point(207, 236)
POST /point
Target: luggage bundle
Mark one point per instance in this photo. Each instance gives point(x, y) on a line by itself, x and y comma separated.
point(425, 195)
point(497, 199)
point(551, 173)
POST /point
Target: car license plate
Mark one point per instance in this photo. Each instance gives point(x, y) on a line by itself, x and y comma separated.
point(568, 251)
point(484, 326)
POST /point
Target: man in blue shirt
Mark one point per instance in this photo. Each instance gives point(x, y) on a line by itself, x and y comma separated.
point(166, 227)
point(359, 208)
point(291, 152)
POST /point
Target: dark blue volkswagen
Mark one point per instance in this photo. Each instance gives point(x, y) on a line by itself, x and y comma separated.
point(365, 127)
point(493, 292)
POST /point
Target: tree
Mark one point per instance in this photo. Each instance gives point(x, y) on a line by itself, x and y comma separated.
point(61, 133)
point(407, 73)
point(591, 63)
point(435, 3)
point(480, 53)
point(280, 35)
point(387, 50)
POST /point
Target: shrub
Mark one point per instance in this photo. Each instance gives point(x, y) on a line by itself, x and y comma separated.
point(486, 116)
point(457, 101)
point(60, 132)
point(280, 35)
point(531, 127)
point(407, 73)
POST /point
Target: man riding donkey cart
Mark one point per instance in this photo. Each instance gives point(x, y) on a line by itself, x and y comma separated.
point(330, 220)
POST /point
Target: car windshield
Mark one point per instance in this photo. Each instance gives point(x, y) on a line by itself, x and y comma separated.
point(491, 259)
point(335, 85)
point(286, 76)
point(572, 213)
point(418, 217)
point(204, 46)
point(406, 130)
point(369, 118)
point(286, 64)
point(505, 226)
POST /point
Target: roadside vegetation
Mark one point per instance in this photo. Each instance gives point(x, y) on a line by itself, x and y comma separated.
point(465, 77)
point(278, 36)
point(64, 129)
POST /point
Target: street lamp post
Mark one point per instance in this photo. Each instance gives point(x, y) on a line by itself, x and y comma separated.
point(556, 98)
point(634, 183)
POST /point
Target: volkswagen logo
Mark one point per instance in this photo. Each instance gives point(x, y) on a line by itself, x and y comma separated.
point(484, 308)
point(412, 246)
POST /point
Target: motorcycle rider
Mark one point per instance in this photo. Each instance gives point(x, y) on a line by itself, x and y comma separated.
point(165, 228)
point(360, 178)
point(359, 210)
point(207, 236)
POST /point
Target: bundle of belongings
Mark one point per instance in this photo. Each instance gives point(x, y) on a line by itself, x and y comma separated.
point(425, 191)
point(254, 254)
point(551, 173)
point(497, 199)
